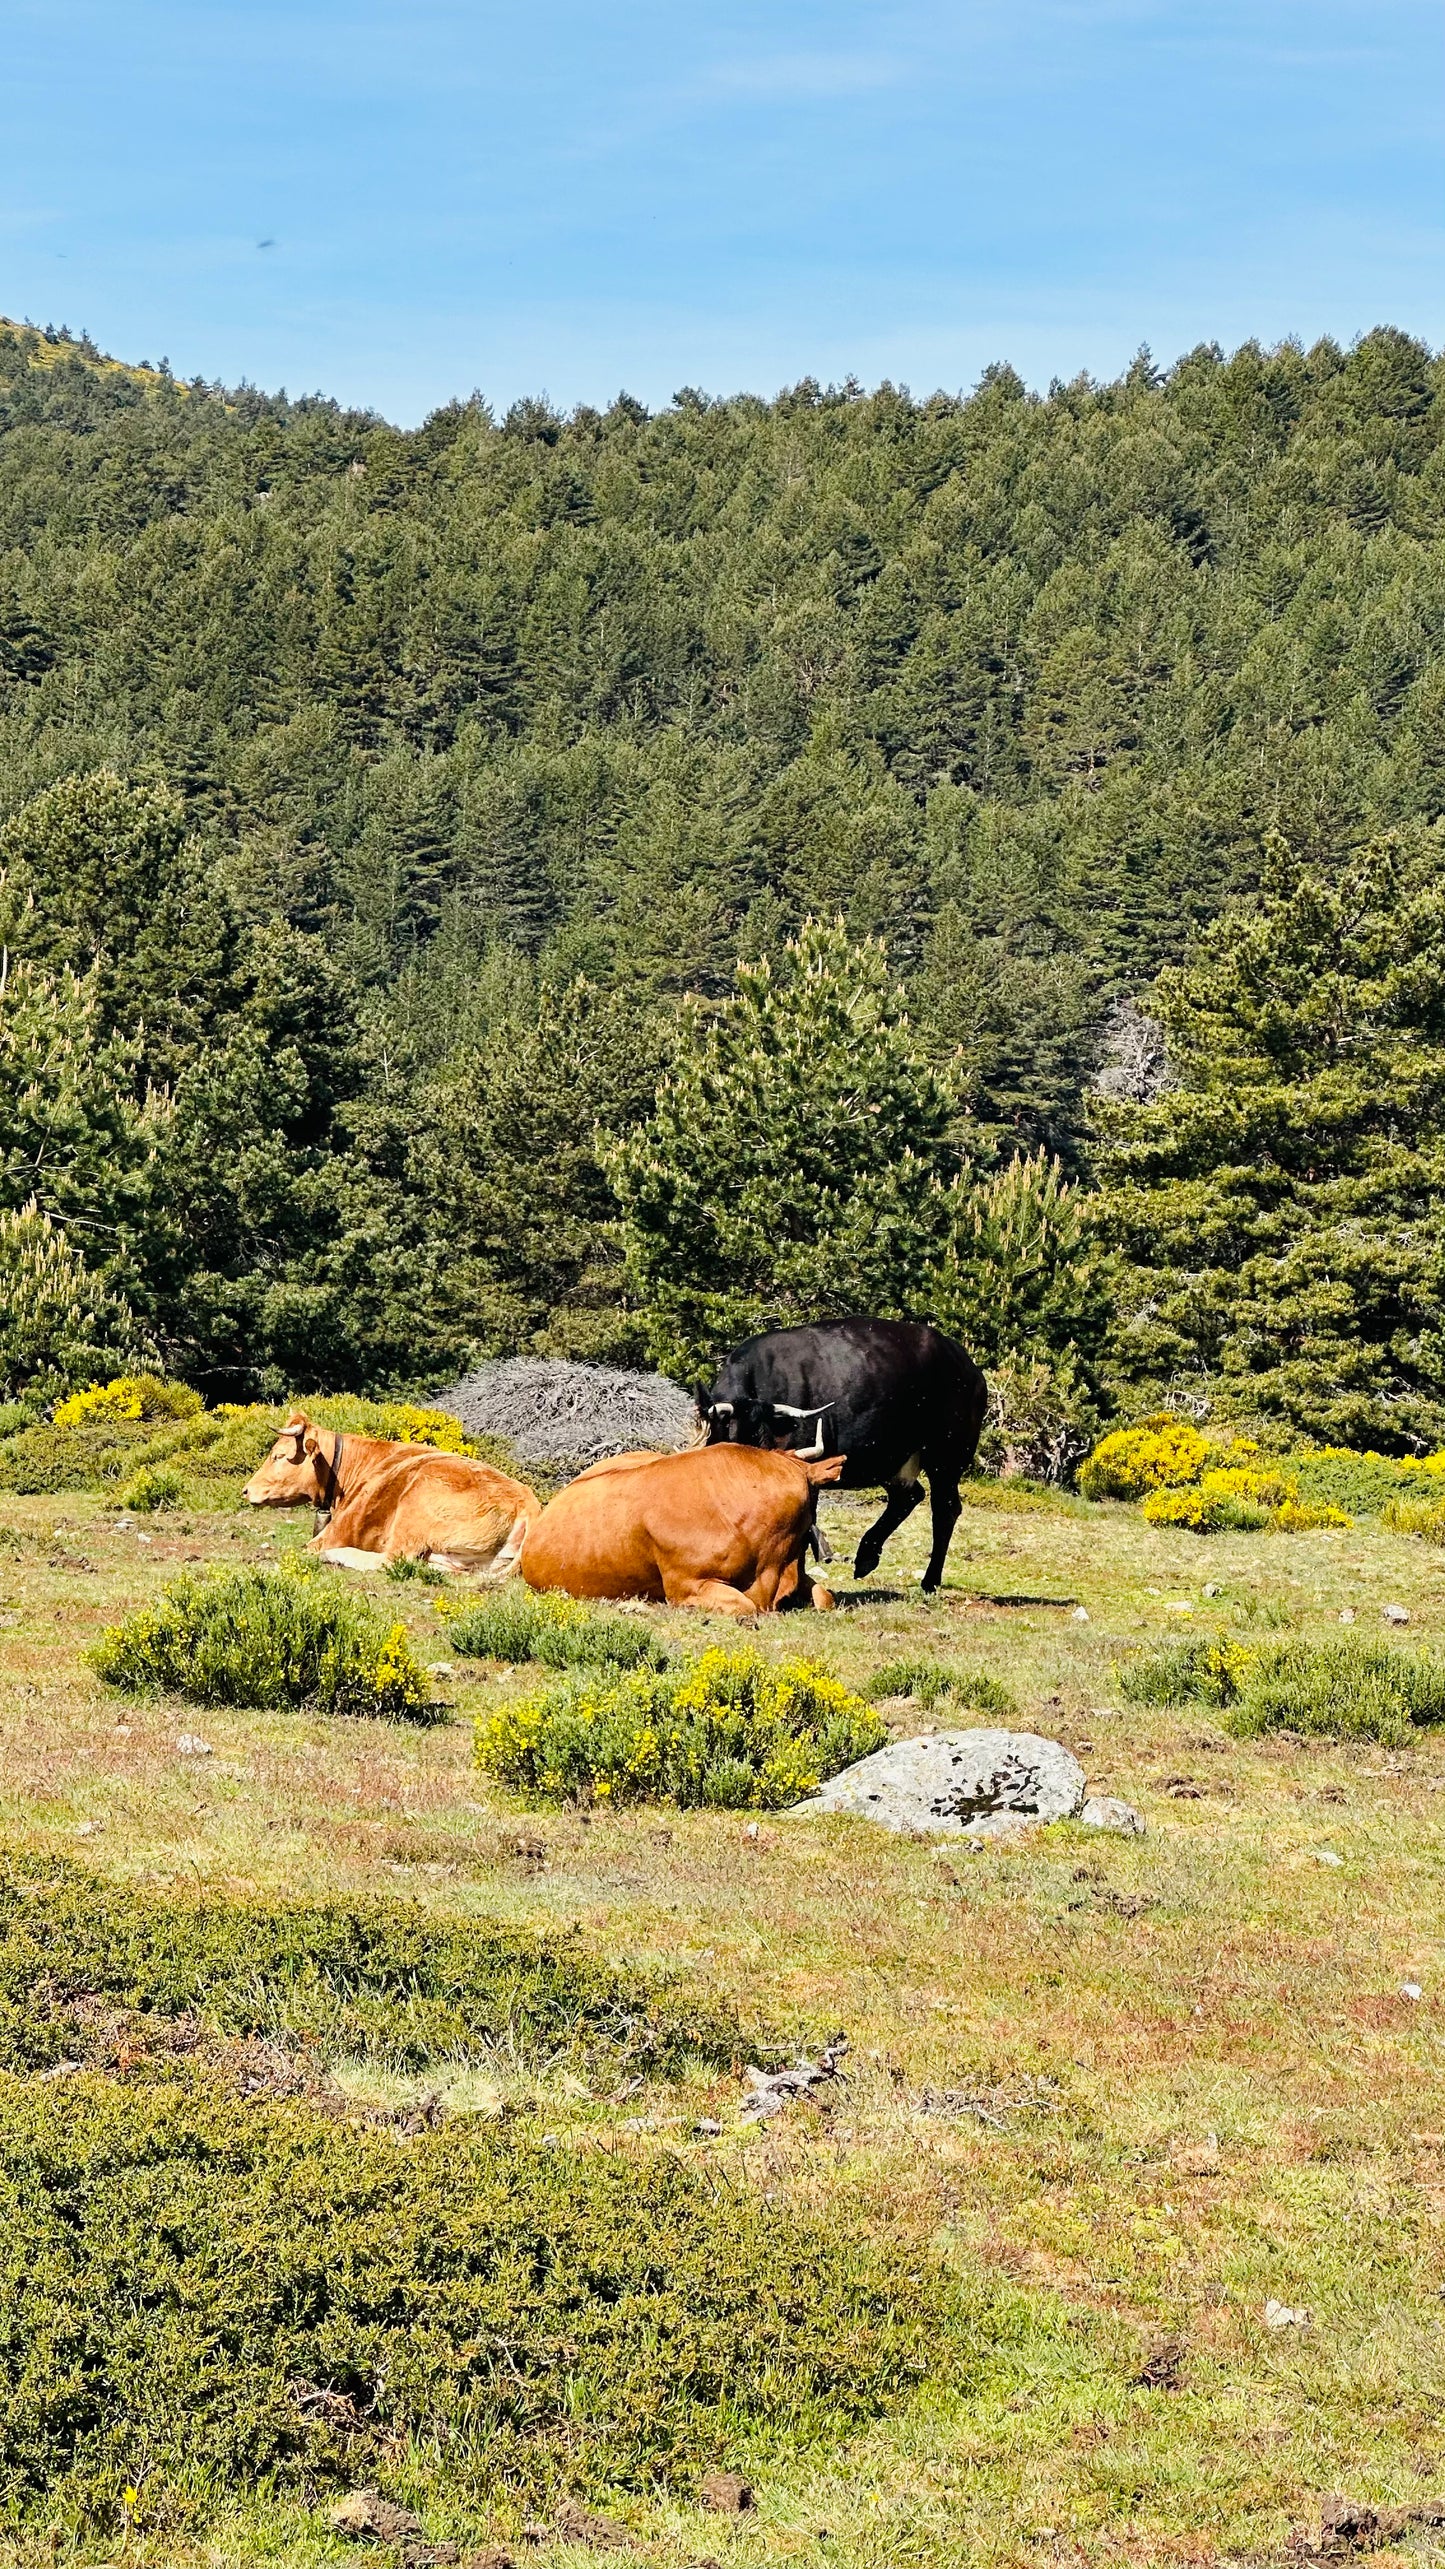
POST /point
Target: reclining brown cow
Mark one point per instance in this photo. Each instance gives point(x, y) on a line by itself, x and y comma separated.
point(724, 1527)
point(381, 1500)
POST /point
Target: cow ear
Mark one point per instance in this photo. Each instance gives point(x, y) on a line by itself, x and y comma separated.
point(311, 1441)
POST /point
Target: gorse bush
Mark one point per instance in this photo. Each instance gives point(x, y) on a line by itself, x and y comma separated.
point(730, 1731)
point(1159, 1453)
point(1339, 1690)
point(1423, 1517)
point(1205, 1485)
point(133, 1396)
point(930, 1682)
point(518, 1623)
point(347, 1978)
point(183, 2274)
point(267, 1640)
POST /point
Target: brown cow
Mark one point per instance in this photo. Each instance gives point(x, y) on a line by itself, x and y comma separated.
point(382, 1500)
point(724, 1527)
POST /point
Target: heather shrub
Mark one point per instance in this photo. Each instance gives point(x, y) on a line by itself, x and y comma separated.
point(517, 1623)
point(205, 2295)
point(345, 1978)
point(267, 1639)
point(728, 1731)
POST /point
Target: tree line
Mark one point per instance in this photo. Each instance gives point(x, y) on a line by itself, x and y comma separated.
point(596, 884)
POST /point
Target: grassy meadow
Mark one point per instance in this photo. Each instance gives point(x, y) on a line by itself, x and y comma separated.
point(1125, 2092)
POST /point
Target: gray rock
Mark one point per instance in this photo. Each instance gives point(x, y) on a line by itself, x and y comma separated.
point(973, 1784)
point(1106, 1811)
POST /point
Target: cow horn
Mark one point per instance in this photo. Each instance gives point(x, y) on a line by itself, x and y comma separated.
point(721, 1409)
point(785, 1409)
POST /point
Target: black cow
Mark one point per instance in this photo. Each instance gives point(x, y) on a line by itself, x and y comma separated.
point(894, 1397)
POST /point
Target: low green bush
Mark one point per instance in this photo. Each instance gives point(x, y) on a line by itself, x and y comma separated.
point(930, 1682)
point(154, 1486)
point(1423, 1517)
point(729, 1731)
point(98, 1437)
point(405, 1566)
point(365, 1978)
point(1337, 1689)
point(203, 2296)
point(517, 1624)
point(1365, 1483)
point(268, 1639)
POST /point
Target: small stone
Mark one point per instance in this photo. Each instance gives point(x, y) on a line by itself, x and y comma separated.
point(1081, 1614)
point(706, 2129)
point(1212, 1589)
point(1277, 2314)
point(440, 1668)
point(88, 1829)
point(145, 1538)
point(1394, 1614)
point(1327, 1855)
point(191, 1744)
point(1106, 1811)
point(1411, 1989)
point(1347, 1614)
point(727, 2493)
point(751, 1830)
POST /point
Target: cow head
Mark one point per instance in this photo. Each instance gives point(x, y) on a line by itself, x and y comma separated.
point(774, 1424)
point(294, 1473)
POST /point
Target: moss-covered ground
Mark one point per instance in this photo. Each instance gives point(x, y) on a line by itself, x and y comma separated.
point(1129, 2091)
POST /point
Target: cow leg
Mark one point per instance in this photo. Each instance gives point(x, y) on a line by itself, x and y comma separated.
point(904, 1495)
point(947, 1508)
point(710, 1597)
point(346, 1556)
point(819, 1546)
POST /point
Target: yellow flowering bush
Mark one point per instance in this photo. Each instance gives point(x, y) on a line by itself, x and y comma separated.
point(1160, 1453)
point(1204, 1486)
point(729, 1731)
point(138, 1396)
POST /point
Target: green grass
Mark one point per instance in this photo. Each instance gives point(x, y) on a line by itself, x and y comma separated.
point(345, 1978)
point(518, 1624)
point(203, 2297)
point(265, 1638)
point(930, 1683)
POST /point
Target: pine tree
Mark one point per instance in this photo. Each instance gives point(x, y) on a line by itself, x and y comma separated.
point(1281, 1207)
point(60, 1326)
point(800, 1161)
point(72, 1138)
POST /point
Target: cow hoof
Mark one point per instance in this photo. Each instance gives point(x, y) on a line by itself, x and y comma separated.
point(865, 1565)
point(823, 1600)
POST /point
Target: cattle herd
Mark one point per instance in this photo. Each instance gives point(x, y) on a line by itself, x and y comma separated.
point(726, 1525)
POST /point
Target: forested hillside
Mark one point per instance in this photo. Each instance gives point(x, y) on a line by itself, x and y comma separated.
point(374, 800)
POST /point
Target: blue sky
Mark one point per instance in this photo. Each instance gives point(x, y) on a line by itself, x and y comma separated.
point(574, 198)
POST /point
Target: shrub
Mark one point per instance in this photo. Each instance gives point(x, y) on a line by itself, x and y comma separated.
point(357, 1977)
point(101, 1436)
point(147, 1396)
point(267, 1639)
point(1338, 1690)
point(204, 2295)
point(730, 1731)
point(518, 1624)
point(1422, 1517)
point(1365, 1483)
point(931, 1682)
point(1160, 1453)
point(406, 1566)
point(154, 1486)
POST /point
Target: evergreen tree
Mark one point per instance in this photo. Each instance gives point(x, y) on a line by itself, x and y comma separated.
point(800, 1161)
point(72, 1139)
point(60, 1326)
point(1281, 1206)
